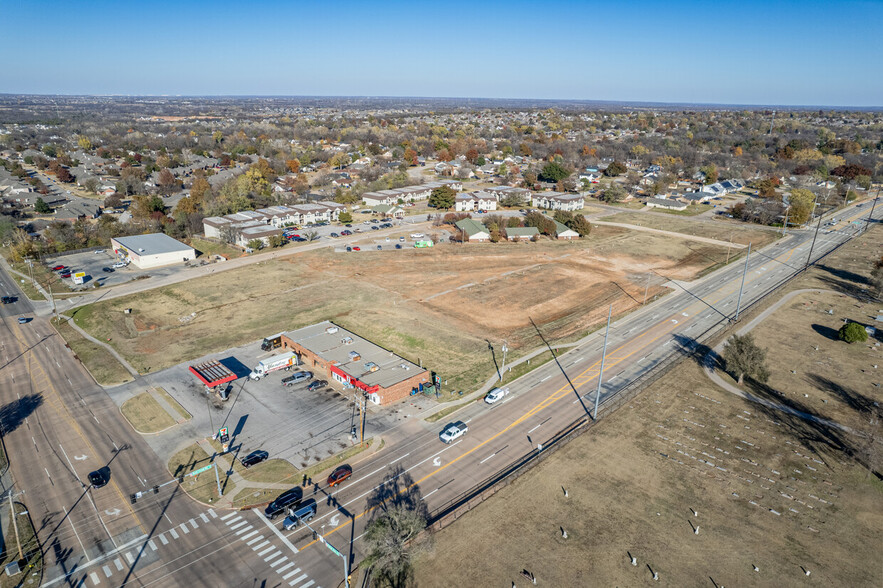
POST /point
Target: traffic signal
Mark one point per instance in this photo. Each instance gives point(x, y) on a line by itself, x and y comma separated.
point(180, 479)
point(156, 489)
point(133, 498)
point(315, 536)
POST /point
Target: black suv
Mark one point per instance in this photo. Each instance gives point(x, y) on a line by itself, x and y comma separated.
point(254, 458)
point(288, 499)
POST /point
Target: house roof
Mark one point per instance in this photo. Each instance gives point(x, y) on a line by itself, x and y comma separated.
point(522, 232)
point(562, 228)
point(152, 244)
point(471, 226)
point(663, 203)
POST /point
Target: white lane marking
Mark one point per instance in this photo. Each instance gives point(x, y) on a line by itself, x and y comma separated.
point(430, 494)
point(244, 530)
point(75, 530)
point(535, 428)
point(544, 379)
point(437, 461)
point(487, 458)
point(68, 463)
point(255, 540)
point(276, 532)
point(290, 574)
point(398, 458)
point(334, 520)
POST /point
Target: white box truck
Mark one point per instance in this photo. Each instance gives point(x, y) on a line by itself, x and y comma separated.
point(284, 361)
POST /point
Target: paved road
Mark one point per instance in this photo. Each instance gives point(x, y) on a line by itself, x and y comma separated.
point(545, 400)
point(58, 426)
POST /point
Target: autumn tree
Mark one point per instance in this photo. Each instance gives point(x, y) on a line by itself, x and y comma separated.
point(851, 171)
point(293, 165)
point(711, 173)
point(615, 169)
point(167, 182)
point(801, 202)
point(472, 155)
point(442, 197)
point(743, 357)
point(200, 189)
point(64, 175)
point(410, 157)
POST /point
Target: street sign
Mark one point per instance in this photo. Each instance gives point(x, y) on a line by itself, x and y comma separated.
point(200, 470)
point(332, 548)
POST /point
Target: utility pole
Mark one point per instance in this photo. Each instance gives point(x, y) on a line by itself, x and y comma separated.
point(362, 410)
point(813, 244)
point(334, 550)
point(785, 226)
point(218, 480)
point(745, 271)
point(871, 214)
point(9, 497)
point(603, 355)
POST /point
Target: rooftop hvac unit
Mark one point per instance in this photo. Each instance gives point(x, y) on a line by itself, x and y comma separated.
point(371, 366)
point(331, 330)
point(347, 340)
point(354, 355)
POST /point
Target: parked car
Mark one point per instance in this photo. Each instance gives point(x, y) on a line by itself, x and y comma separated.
point(398, 245)
point(379, 247)
point(297, 378)
point(119, 264)
point(108, 270)
point(304, 512)
point(375, 228)
point(496, 394)
point(254, 458)
point(65, 274)
point(340, 475)
point(317, 384)
point(334, 235)
point(288, 499)
point(58, 268)
point(453, 431)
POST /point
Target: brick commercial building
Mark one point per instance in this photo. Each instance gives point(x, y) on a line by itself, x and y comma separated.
point(332, 351)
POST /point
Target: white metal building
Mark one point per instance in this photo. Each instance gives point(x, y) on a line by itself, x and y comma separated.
point(153, 250)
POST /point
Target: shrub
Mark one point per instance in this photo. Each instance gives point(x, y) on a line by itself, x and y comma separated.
point(852, 332)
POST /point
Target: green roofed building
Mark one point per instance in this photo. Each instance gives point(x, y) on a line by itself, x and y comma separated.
point(521, 233)
point(473, 231)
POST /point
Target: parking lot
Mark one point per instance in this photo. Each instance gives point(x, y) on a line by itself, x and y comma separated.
point(93, 262)
point(292, 423)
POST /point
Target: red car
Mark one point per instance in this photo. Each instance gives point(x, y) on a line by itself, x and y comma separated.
point(65, 274)
point(58, 267)
point(356, 249)
point(339, 475)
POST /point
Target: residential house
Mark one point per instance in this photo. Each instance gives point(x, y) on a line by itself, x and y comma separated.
point(77, 210)
point(391, 210)
point(558, 201)
point(473, 231)
point(591, 177)
point(522, 233)
point(564, 233)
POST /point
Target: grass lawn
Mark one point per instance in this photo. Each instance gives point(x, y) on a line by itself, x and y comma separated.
point(174, 404)
point(253, 496)
point(202, 487)
point(446, 411)
point(145, 414)
point(30, 549)
point(205, 247)
point(103, 366)
point(692, 210)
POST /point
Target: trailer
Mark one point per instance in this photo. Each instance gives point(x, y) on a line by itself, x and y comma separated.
point(272, 342)
point(284, 361)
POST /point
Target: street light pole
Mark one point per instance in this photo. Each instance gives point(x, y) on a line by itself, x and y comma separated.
point(871, 214)
point(603, 355)
point(813, 244)
point(503, 369)
point(745, 271)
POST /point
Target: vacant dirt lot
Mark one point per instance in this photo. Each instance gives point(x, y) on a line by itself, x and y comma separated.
point(721, 230)
point(437, 306)
point(769, 492)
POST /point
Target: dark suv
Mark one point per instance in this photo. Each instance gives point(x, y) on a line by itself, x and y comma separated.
point(254, 458)
point(288, 499)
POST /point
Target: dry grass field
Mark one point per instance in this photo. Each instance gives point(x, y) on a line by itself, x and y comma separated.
point(768, 493)
point(721, 230)
point(437, 306)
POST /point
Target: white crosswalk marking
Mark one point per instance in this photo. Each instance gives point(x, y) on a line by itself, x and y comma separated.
point(107, 571)
point(256, 539)
point(290, 574)
point(193, 523)
point(237, 525)
point(285, 567)
point(243, 530)
point(94, 577)
point(272, 556)
point(227, 516)
point(163, 539)
point(259, 545)
point(118, 564)
point(203, 517)
point(297, 580)
point(173, 534)
point(184, 528)
point(152, 544)
point(130, 557)
point(244, 537)
point(213, 513)
point(267, 550)
point(278, 561)
point(231, 521)
point(308, 584)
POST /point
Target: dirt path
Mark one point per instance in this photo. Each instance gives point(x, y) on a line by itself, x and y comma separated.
point(713, 355)
point(109, 348)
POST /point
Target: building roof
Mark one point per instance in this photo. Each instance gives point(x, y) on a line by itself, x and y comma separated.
point(471, 226)
point(663, 203)
point(152, 244)
point(335, 347)
point(561, 228)
point(522, 231)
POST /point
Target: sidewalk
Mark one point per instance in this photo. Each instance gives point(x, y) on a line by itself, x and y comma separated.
point(110, 349)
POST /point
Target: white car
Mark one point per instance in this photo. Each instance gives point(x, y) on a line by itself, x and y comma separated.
point(496, 394)
point(119, 264)
point(453, 431)
point(416, 235)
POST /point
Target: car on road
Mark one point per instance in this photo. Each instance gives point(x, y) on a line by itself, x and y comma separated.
point(288, 499)
point(398, 245)
point(375, 228)
point(349, 248)
point(317, 384)
point(58, 268)
point(254, 458)
point(453, 431)
point(416, 235)
point(23, 320)
point(345, 233)
point(305, 512)
point(8, 299)
point(108, 270)
point(334, 235)
point(340, 475)
point(380, 247)
point(99, 478)
point(297, 378)
point(348, 225)
point(496, 395)
point(356, 249)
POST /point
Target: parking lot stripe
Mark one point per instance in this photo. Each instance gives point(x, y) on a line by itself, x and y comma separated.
point(173, 534)
point(285, 567)
point(227, 516)
point(258, 538)
point(266, 551)
point(244, 537)
point(243, 530)
point(278, 561)
point(107, 571)
point(152, 544)
point(203, 517)
point(290, 574)
point(237, 525)
point(118, 564)
point(94, 577)
point(163, 539)
point(297, 580)
point(259, 545)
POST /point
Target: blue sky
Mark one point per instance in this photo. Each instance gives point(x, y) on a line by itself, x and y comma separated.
point(800, 53)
